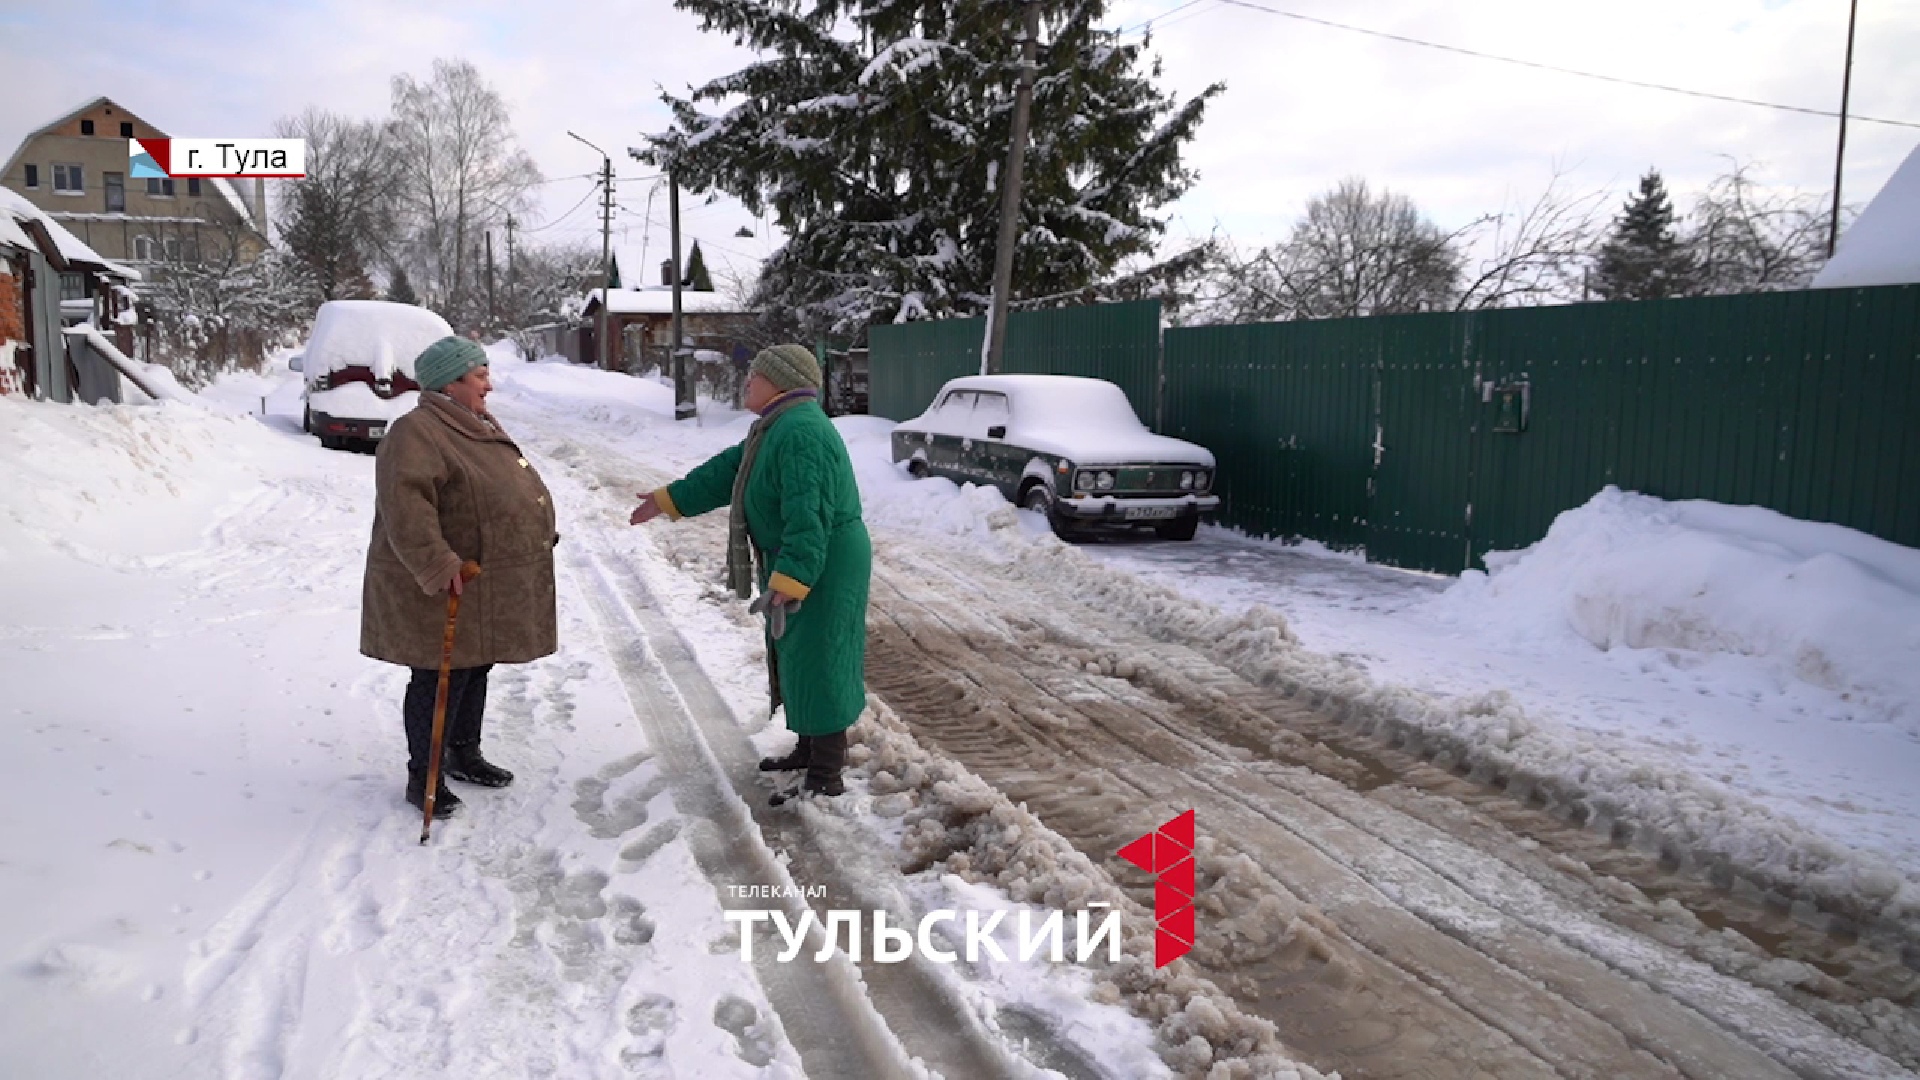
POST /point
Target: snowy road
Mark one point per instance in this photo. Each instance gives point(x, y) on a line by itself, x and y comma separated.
point(205, 855)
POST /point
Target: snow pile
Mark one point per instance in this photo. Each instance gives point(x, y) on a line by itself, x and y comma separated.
point(1881, 247)
point(117, 476)
point(957, 825)
point(891, 497)
point(1650, 800)
point(1819, 603)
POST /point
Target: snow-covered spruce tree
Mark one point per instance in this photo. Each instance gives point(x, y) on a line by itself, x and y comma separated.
point(876, 131)
point(1643, 257)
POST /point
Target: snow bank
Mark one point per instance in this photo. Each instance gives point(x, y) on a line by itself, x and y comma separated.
point(126, 477)
point(956, 825)
point(1820, 603)
point(890, 496)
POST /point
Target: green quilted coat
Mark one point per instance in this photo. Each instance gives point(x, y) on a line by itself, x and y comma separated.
point(803, 513)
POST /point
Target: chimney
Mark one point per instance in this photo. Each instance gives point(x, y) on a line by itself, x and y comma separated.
point(666, 272)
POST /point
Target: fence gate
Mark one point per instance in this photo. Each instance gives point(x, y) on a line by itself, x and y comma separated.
point(1418, 496)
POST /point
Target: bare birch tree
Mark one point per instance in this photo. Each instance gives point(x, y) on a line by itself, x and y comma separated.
point(463, 173)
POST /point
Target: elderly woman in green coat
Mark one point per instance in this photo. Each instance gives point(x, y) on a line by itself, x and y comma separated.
point(795, 528)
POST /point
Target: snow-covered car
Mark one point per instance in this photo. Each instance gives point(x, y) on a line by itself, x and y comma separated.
point(1068, 447)
point(358, 365)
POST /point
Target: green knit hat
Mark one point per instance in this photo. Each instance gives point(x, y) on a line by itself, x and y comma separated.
point(446, 361)
point(788, 367)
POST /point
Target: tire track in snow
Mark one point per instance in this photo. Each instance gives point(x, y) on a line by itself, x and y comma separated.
point(826, 1013)
point(1003, 690)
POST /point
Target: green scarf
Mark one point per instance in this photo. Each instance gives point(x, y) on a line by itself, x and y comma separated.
point(743, 555)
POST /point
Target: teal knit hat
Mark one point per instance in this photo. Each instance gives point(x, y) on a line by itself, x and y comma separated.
point(446, 361)
point(788, 367)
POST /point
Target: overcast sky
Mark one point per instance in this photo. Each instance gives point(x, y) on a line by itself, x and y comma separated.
point(1305, 105)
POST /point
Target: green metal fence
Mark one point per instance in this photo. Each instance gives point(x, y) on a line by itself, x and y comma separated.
point(1429, 440)
point(1116, 342)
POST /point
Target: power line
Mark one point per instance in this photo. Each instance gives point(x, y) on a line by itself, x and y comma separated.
point(591, 192)
point(1477, 54)
point(1148, 25)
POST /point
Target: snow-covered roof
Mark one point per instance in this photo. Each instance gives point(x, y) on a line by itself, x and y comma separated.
point(1882, 246)
point(658, 300)
point(16, 208)
point(239, 205)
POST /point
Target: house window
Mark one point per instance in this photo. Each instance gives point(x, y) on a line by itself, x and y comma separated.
point(67, 178)
point(86, 127)
point(193, 186)
point(126, 129)
point(162, 187)
point(116, 188)
point(73, 286)
point(33, 176)
point(143, 248)
point(173, 248)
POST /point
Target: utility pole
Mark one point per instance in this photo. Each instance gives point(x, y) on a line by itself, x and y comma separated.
point(683, 404)
point(1840, 155)
point(510, 276)
point(493, 309)
point(995, 345)
point(606, 254)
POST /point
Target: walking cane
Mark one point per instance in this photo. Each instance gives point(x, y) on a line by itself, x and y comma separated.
point(468, 571)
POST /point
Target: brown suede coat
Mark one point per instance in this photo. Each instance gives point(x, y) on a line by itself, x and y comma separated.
point(448, 489)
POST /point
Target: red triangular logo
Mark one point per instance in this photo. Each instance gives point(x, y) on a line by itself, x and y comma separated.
point(1180, 830)
point(1167, 949)
point(1179, 878)
point(1140, 854)
point(1179, 924)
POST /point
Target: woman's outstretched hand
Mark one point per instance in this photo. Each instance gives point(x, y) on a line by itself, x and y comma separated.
point(645, 512)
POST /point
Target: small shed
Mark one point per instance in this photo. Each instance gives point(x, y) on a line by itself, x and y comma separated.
point(43, 264)
point(642, 321)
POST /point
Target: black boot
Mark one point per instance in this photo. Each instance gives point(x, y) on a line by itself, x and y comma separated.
point(829, 757)
point(802, 753)
point(445, 802)
point(465, 764)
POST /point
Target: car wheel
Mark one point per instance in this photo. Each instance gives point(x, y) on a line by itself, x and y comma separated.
point(1040, 500)
point(1179, 528)
point(917, 469)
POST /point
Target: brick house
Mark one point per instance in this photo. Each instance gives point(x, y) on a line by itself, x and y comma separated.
point(75, 170)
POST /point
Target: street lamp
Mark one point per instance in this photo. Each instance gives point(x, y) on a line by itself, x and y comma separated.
point(606, 251)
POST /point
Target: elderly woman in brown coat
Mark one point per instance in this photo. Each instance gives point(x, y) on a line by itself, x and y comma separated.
point(451, 486)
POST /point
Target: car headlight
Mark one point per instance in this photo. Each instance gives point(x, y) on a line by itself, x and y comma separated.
point(1186, 480)
point(1083, 480)
point(1200, 480)
point(1104, 481)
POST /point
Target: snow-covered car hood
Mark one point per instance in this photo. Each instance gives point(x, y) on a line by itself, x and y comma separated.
point(1087, 447)
point(357, 401)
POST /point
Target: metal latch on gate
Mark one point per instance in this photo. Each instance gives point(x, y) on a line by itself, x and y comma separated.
point(1513, 401)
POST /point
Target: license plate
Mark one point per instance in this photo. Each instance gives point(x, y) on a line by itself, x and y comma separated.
point(1149, 513)
point(375, 431)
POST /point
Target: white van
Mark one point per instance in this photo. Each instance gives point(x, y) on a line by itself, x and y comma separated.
point(359, 367)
